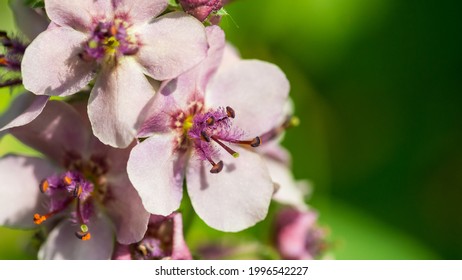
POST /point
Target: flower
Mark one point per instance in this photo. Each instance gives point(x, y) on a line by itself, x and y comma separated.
point(201, 9)
point(80, 190)
point(204, 126)
point(297, 235)
point(163, 240)
point(118, 40)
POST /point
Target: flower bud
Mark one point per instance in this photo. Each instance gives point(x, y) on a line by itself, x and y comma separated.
point(201, 9)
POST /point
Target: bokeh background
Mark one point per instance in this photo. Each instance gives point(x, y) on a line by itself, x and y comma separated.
point(377, 87)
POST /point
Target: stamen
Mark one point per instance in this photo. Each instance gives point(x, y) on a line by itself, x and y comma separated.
point(210, 121)
point(143, 250)
point(44, 185)
point(77, 191)
point(67, 180)
point(228, 149)
point(230, 112)
point(204, 136)
point(291, 121)
point(255, 142)
point(83, 235)
point(38, 219)
point(217, 167)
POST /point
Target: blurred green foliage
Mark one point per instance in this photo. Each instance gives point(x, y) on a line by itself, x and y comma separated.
point(376, 85)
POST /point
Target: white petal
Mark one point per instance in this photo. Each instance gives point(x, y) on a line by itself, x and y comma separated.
point(126, 210)
point(172, 44)
point(236, 198)
point(140, 11)
point(62, 244)
point(256, 90)
point(119, 95)
point(289, 191)
point(156, 170)
point(79, 14)
point(51, 64)
point(20, 197)
point(24, 109)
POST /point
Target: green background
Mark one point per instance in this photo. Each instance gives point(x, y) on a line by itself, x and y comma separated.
point(377, 87)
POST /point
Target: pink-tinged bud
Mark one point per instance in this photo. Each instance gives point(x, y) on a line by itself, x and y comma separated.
point(201, 9)
point(298, 237)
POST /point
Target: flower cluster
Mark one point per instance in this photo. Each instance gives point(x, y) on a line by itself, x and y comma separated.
point(148, 99)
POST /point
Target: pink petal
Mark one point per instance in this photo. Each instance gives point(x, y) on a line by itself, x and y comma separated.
point(231, 55)
point(140, 11)
point(24, 109)
point(20, 197)
point(175, 94)
point(58, 130)
point(126, 210)
point(172, 44)
point(51, 64)
point(256, 90)
point(78, 15)
point(273, 150)
point(236, 198)
point(62, 244)
point(118, 97)
point(156, 170)
point(29, 21)
point(289, 191)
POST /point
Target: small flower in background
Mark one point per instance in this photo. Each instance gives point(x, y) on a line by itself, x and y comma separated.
point(204, 126)
point(81, 191)
point(297, 235)
point(118, 40)
point(163, 240)
point(201, 9)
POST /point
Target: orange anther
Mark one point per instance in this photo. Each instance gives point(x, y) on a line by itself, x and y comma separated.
point(86, 236)
point(44, 185)
point(67, 180)
point(113, 30)
point(38, 219)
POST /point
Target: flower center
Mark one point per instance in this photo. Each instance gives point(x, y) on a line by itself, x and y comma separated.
point(208, 131)
point(75, 190)
point(110, 40)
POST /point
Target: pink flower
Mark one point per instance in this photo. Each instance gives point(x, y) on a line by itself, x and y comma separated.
point(117, 41)
point(80, 191)
point(204, 126)
point(163, 240)
point(298, 237)
point(201, 9)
